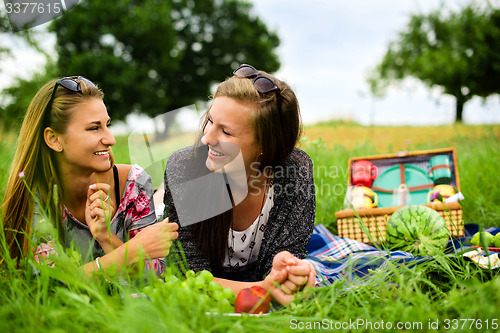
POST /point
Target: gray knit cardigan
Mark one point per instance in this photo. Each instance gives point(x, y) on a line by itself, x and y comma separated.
point(290, 224)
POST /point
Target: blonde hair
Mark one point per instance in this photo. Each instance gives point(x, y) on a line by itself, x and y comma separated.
point(37, 162)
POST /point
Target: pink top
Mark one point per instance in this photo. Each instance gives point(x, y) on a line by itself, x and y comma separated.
point(135, 212)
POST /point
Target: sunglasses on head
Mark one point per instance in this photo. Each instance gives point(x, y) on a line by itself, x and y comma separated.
point(71, 83)
point(262, 83)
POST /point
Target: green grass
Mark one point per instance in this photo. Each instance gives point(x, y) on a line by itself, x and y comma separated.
point(445, 291)
point(7, 143)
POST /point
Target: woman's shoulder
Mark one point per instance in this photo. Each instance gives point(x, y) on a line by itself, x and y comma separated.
point(124, 170)
point(187, 155)
point(134, 182)
point(132, 173)
point(187, 163)
point(128, 174)
point(298, 158)
point(296, 168)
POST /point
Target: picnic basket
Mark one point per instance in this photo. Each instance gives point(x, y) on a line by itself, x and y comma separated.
point(357, 224)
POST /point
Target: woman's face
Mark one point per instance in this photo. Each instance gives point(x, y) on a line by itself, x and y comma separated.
point(228, 131)
point(87, 141)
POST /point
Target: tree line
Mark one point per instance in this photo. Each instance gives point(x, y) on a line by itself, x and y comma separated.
point(155, 56)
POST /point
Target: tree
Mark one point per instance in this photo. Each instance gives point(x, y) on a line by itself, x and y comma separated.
point(4, 30)
point(15, 99)
point(159, 55)
point(458, 52)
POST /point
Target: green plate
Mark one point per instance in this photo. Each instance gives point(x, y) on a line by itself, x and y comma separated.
point(390, 180)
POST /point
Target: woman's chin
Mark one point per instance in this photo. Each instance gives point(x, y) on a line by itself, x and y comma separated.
point(103, 167)
point(214, 166)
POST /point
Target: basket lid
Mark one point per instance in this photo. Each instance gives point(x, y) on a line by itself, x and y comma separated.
point(416, 179)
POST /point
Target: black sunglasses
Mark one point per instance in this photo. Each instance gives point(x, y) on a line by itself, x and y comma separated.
point(262, 83)
point(71, 83)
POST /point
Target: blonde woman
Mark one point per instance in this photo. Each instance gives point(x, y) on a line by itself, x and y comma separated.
point(65, 144)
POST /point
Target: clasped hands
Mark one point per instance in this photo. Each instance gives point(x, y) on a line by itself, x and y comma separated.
point(288, 276)
point(155, 239)
point(99, 208)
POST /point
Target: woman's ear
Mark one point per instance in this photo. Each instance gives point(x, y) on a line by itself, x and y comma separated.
point(52, 139)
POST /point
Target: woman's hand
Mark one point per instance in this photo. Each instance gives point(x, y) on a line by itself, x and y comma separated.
point(156, 239)
point(288, 276)
point(300, 273)
point(98, 209)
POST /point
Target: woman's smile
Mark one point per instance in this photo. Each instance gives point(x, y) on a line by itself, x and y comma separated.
point(213, 153)
point(229, 134)
point(102, 153)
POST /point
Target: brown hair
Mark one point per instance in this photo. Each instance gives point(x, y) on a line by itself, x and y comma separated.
point(277, 124)
point(38, 164)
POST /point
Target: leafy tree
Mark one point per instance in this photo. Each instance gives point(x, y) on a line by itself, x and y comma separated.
point(159, 55)
point(4, 28)
point(459, 52)
point(15, 99)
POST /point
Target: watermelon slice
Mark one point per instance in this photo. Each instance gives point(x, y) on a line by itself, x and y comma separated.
point(417, 229)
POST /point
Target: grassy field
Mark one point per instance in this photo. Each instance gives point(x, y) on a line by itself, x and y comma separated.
point(443, 294)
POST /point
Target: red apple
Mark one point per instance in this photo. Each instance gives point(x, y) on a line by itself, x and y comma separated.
point(252, 300)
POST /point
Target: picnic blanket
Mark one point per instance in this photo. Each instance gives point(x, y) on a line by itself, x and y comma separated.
point(337, 258)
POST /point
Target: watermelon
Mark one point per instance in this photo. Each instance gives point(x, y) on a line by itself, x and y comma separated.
point(417, 229)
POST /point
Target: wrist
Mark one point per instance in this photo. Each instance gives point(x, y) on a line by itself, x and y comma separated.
point(130, 251)
point(102, 237)
point(105, 240)
point(260, 284)
point(97, 263)
point(269, 282)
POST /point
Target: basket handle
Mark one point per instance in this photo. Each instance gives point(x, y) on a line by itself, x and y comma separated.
point(411, 189)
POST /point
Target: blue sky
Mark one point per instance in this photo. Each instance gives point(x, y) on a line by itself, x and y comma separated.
point(328, 47)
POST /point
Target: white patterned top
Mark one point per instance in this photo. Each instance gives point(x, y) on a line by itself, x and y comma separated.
point(244, 246)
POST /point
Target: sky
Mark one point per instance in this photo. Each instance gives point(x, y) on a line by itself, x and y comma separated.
point(327, 49)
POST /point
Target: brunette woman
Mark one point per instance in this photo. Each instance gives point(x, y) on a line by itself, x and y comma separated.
point(259, 188)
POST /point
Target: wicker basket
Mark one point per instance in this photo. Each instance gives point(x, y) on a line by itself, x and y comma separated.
point(358, 224)
point(374, 221)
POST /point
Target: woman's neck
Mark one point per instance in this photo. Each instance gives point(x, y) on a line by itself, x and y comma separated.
point(250, 207)
point(257, 183)
point(75, 184)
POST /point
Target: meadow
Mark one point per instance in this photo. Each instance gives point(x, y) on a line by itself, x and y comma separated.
point(446, 293)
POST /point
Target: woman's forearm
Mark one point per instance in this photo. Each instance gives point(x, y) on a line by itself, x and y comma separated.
point(109, 242)
point(124, 255)
point(237, 286)
point(272, 283)
point(152, 242)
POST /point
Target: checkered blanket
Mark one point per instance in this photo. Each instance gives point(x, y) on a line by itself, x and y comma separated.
point(337, 258)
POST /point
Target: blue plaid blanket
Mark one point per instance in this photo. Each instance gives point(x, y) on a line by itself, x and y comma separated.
point(336, 258)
